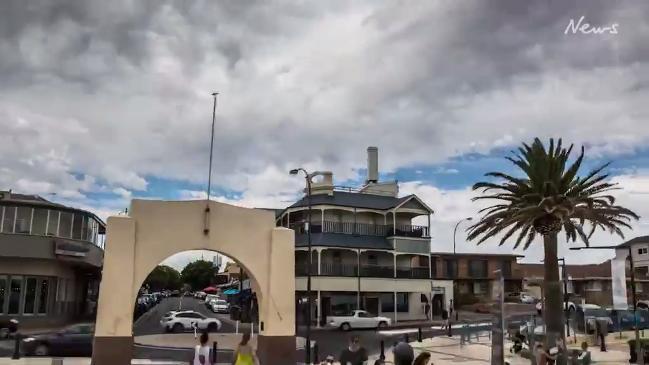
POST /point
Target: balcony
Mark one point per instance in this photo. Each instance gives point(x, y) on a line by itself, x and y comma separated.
point(327, 269)
point(365, 229)
point(376, 271)
point(413, 273)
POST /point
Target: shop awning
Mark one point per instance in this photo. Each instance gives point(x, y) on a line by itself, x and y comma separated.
point(231, 291)
point(210, 289)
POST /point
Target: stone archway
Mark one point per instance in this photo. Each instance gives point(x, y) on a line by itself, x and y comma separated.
point(155, 230)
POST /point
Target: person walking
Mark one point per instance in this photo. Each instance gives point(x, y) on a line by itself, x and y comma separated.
point(245, 354)
point(427, 311)
point(355, 354)
point(422, 359)
point(403, 354)
point(445, 316)
point(202, 351)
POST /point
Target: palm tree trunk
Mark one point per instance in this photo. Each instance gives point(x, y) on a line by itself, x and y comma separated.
point(553, 308)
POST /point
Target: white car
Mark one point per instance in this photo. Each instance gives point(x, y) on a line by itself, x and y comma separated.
point(188, 320)
point(219, 306)
point(209, 297)
point(571, 306)
point(358, 319)
point(527, 299)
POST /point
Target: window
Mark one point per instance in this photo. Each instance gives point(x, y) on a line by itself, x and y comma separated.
point(594, 286)
point(23, 220)
point(77, 226)
point(506, 267)
point(402, 302)
point(642, 251)
point(363, 315)
point(480, 287)
point(387, 302)
point(451, 268)
point(43, 296)
point(433, 266)
point(3, 292)
point(39, 223)
point(15, 291)
point(8, 220)
point(90, 226)
point(65, 225)
point(53, 223)
point(29, 304)
point(478, 268)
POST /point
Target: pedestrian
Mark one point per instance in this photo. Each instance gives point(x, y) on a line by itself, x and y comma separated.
point(445, 323)
point(422, 359)
point(329, 360)
point(354, 354)
point(427, 310)
point(540, 355)
point(584, 357)
point(403, 354)
point(202, 351)
point(245, 354)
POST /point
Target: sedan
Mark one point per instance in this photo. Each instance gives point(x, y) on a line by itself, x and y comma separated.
point(220, 306)
point(75, 340)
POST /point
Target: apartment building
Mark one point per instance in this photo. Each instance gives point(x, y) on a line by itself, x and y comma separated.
point(366, 251)
point(586, 283)
point(474, 275)
point(50, 260)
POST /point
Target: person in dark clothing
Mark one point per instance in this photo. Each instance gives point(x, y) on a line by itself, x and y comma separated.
point(355, 354)
point(403, 354)
point(427, 310)
point(445, 319)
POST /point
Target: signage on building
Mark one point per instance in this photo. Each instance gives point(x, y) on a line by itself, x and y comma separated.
point(63, 248)
point(438, 290)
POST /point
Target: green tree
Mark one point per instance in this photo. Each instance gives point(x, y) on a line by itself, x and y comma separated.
point(199, 274)
point(163, 277)
point(547, 198)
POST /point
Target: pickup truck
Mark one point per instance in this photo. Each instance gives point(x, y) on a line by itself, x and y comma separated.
point(358, 319)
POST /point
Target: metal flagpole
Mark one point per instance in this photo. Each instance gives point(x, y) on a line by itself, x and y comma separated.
point(206, 225)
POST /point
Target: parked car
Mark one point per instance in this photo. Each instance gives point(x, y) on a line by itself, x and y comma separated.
point(209, 297)
point(200, 295)
point(188, 320)
point(589, 314)
point(75, 340)
point(571, 306)
point(358, 319)
point(219, 306)
point(519, 297)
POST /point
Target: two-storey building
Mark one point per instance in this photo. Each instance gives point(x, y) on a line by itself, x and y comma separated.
point(50, 260)
point(366, 251)
point(474, 275)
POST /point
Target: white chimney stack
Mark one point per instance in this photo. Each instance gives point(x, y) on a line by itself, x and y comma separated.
point(372, 165)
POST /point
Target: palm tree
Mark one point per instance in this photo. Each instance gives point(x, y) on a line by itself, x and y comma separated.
point(547, 198)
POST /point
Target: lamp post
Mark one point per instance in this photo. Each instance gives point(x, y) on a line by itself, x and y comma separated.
point(638, 348)
point(308, 176)
point(454, 244)
point(455, 230)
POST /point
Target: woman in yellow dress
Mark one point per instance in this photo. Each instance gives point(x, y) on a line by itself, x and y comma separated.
point(245, 354)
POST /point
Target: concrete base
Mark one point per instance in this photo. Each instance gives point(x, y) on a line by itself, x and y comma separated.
point(112, 350)
point(276, 350)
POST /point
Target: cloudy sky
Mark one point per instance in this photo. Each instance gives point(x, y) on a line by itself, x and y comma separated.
point(101, 102)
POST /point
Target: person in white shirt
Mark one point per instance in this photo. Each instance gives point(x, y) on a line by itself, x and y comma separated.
point(202, 351)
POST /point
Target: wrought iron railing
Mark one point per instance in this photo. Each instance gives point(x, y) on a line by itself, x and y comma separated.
point(365, 229)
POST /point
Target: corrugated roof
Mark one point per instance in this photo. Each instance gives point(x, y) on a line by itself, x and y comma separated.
point(354, 200)
point(639, 239)
point(343, 240)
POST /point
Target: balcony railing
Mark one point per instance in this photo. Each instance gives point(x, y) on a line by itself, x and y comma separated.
point(338, 270)
point(364, 229)
point(375, 271)
point(301, 269)
point(413, 273)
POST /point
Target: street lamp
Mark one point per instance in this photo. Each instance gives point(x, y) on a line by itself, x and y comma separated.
point(455, 230)
point(638, 348)
point(308, 176)
point(454, 244)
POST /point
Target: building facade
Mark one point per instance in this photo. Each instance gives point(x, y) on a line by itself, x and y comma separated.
point(589, 284)
point(475, 275)
point(50, 260)
point(366, 251)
